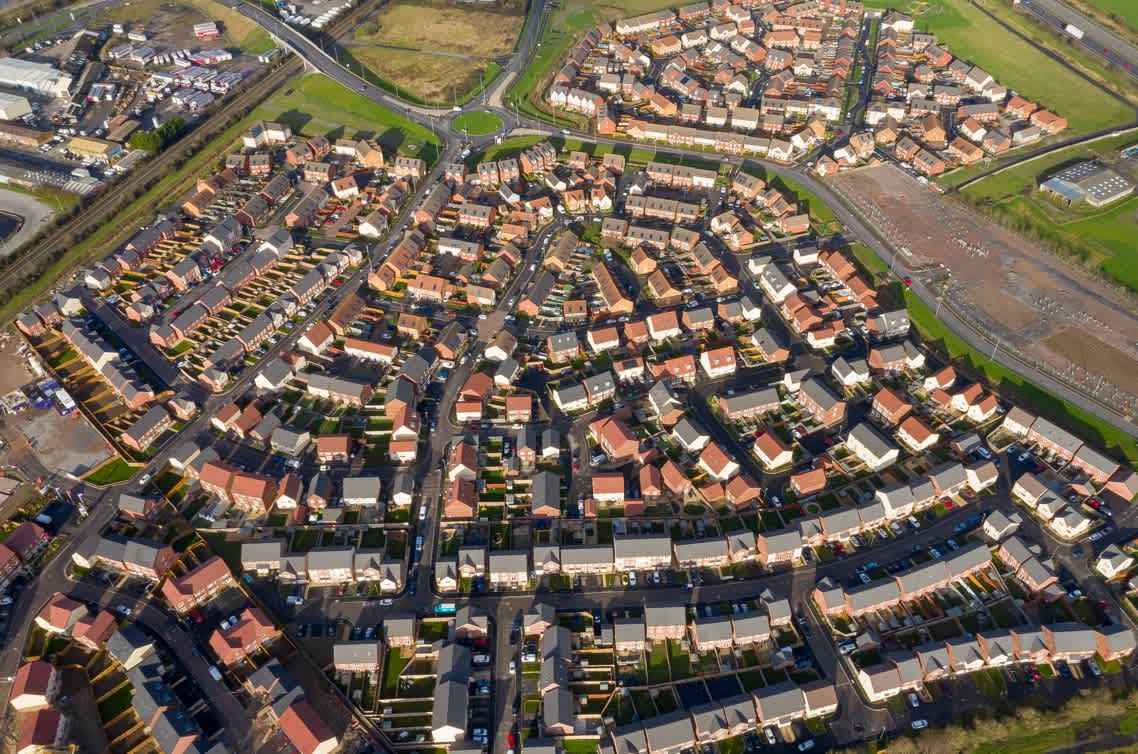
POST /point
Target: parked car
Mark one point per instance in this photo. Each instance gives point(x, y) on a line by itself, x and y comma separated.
point(919, 724)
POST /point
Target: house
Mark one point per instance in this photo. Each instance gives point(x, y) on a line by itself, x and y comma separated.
point(252, 632)
point(1113, 563)
point(60, 614)
point(197, 586)
point(36, 686)
point(870, 447)
point(771, 451)
point(717, 464)
point(665, 622)
point(816, 399)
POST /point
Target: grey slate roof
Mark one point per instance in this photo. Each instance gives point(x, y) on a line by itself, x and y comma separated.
point(669, 732)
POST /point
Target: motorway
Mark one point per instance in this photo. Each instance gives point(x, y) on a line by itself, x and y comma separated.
point(1102, 42)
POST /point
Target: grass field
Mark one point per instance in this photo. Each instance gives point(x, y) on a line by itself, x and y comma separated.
point(1099, 239)
point(971, 35)
point(423, 77)
point(433, 52)
point(316, 104)
point(478, 124)
point(1123, 11)
point(112, 472)
point(439, 26)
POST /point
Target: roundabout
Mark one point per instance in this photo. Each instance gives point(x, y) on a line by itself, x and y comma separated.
point(477, 123)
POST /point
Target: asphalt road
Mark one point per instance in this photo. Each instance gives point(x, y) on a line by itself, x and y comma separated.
point(1102, 42)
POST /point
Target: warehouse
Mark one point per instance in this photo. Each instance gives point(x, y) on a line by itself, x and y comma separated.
point(36, 77)
point(1093, 182)
point(13, 106)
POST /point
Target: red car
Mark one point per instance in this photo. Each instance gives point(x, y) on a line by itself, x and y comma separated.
point(576, 466)
point(196, 616)
point(907, 280)
point(947, 503)
point(513, 739)
point(968, 493)
point(1094, 503)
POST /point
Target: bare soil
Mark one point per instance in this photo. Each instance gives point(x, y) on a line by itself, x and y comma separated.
point(1043, 309)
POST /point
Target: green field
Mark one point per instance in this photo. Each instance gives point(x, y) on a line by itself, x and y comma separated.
point(111, 472)
point(1122, 11)
point(1099, 239)
point(971, 35)
point(477, 124)
point(317, 105)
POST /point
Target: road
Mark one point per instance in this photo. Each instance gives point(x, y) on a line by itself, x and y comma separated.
point(135, 338)
point(1104, 43)
point(233, 715)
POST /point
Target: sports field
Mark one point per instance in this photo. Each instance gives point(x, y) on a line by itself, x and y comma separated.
point(971, 35)
point(435, 52)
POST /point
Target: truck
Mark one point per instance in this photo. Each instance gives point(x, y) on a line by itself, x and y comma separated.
point(1074, 31)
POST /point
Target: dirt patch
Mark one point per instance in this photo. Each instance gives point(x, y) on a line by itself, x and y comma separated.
point(62, 443)
point(433, 28)
point(1041, 309)
point(1081, 347)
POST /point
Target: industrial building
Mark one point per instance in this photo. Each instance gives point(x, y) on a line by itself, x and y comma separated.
point(37, 77)
point(1092, 182)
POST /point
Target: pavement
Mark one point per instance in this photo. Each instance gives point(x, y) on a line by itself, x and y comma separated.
point(35, 215)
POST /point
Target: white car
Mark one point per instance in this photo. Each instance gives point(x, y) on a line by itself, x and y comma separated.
point(771, 738)
point(423, 513)
point(806, 745)
point(632, 579)
point(386, 602)
point(513, 667)
point(919, 724)
point(914, 700)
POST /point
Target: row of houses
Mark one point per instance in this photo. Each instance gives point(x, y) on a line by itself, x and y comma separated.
point(323, 566)
point(1068, 642)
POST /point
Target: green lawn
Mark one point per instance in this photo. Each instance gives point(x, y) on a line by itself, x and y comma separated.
point(392, 666)
point(477, 123)
point(580, 745)
point(111, 472)
point(658, 664)
point(1018, 65)
point(1123, 11)
point(116, 703)
point(317, 105)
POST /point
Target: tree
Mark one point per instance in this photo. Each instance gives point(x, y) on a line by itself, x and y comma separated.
point(155, 140)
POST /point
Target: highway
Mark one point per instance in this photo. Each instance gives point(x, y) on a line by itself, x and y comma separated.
point(1102, 42)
